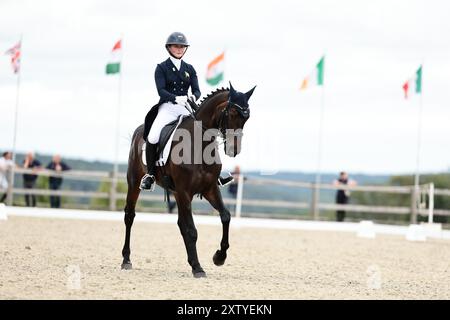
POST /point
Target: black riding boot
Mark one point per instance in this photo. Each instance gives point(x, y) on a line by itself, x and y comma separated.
point(225, 181)
point(148, 180)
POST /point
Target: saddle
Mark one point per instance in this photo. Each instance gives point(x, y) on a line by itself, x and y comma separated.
point(165, 135)
point(168, 129)
point(163, 149)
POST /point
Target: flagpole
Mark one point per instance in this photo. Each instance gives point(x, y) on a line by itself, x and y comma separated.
point(319, 155)
point(419, 140)
point(116, 149)
point(119, 102)
point(16, 117)
point(224, 67)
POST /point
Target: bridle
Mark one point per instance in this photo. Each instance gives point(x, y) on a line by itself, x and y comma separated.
point(223, 119)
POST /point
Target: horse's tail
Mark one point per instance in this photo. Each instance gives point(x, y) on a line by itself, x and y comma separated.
point(136, 132)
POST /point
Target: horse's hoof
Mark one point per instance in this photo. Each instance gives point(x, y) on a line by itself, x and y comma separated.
point(199, 274)
point(127, 266)
point(219, 258)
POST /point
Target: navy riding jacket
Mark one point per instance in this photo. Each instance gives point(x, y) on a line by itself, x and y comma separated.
point(171, 82)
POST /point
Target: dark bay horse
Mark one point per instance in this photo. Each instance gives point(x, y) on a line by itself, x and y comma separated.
point(224, 111)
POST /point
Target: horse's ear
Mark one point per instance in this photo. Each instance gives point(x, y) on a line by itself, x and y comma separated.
point(249, 94)
point(232, 91)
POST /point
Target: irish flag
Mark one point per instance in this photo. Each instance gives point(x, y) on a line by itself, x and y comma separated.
point(316, 77)
point(113, 65)
point(414, 84)
point(214, 73)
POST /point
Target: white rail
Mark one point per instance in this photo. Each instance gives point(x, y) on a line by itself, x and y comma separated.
point(240, 201)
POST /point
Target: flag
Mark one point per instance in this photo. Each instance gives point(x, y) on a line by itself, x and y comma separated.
point(14, 52)
point(113, 65)
point(215, 71)
point(316, 77)
point(414, 84)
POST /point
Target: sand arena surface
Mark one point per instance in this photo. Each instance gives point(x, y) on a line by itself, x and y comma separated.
point(42, 258)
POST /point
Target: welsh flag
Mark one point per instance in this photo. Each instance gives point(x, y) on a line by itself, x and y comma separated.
point(14, 52)
point(316, 77)
point(113, 65)
point(414, 84)
point(214, 73)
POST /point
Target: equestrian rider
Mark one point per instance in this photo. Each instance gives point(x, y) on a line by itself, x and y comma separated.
point(173, 78)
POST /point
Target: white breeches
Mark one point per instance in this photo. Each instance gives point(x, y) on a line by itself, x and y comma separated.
point(167, 112)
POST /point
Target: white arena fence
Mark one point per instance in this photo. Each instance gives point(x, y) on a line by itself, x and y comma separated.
point(363, 229)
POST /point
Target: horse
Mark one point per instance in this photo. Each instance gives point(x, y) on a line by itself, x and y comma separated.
point(224, 111)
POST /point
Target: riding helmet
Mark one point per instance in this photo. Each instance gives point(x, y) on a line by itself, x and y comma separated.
point(177, 38)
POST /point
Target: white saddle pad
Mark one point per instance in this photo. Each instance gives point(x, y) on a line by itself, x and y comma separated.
point(165, 154)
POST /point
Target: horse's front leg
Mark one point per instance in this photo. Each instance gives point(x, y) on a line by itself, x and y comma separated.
point(215, 199)
point(189, 232)
point(132, 196)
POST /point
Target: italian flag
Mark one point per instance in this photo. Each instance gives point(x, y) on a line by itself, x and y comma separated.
point(414, 84)
point(214, 73)
point(113, 65)
point(316, 77)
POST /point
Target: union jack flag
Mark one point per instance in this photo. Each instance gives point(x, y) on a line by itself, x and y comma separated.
point(14, 52)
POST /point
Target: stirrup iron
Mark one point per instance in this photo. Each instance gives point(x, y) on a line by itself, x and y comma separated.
point(152, 186)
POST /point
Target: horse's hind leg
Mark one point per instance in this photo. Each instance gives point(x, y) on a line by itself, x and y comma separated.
point(215, 199)
point(189, 232)
point(132, 196)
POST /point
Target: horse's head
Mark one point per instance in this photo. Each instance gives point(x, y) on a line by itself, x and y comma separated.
point(233, 119)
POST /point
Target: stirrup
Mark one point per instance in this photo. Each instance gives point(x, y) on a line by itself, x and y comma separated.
point(225, 181)
point(151, 188)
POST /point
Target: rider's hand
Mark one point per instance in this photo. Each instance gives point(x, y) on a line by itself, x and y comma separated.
point(181, 99)
point(192, 98)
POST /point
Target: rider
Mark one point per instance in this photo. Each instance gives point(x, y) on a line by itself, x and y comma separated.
point(173, 77)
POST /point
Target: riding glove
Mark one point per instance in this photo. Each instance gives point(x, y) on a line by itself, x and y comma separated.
point(181, 100)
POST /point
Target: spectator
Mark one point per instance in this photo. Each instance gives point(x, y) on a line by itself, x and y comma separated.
point(29, 180)
point(55, 183)
point(6, 164)
point(233, 187)
point(342, 196)
point(171, 204)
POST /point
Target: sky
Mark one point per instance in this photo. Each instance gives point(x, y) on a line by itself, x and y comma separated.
point(67, 104)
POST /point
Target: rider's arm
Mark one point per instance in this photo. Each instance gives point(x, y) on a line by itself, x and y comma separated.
point(160, 81)
point(194, 84)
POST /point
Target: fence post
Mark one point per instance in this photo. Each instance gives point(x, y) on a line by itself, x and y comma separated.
point(414, 195)
point(9, 191)
point(240, 191)
point(430, 202)
point(315, 201)
point(112, 191)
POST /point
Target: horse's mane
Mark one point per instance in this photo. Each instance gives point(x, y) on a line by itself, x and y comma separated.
point(211, 95)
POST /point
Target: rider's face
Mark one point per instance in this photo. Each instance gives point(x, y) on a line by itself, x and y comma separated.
point(177, 50)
